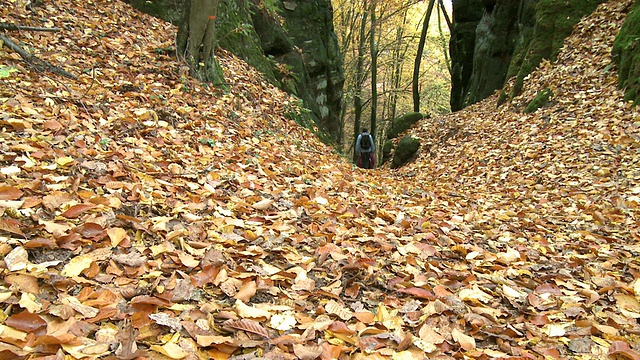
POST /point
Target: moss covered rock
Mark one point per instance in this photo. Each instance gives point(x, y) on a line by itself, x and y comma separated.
point(554, 21)
point(626, 53)
point(300, 55)
point(401, 124)
point(406, 149)
point(509, 41)
point(387, 149)
point(540, 100)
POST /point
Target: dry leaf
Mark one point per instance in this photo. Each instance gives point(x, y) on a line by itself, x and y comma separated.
point(304, 352)
point(17, 259)
point(332, 307)
point(466, 342)
point(247, 325)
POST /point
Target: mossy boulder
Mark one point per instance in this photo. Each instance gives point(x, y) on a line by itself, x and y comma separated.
point(626, 53)
point(404, 122)
point(540, 100)
point(387, 149)
point(406, 149)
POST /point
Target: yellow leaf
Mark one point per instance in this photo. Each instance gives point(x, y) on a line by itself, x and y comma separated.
point(77, 265)
point(62, 161)
point(28, 301)
point(333, 307)
point(9, 333)
point(513, 293)
point(628, 305)
point(116, 235)
point(245, 311)
point(283, 321)
point(262, 204)
point(466, 342)
point(171, 350)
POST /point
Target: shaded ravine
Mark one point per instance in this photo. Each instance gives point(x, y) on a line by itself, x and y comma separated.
point(140, 208)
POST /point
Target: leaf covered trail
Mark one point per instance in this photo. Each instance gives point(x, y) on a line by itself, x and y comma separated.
point(146, 215)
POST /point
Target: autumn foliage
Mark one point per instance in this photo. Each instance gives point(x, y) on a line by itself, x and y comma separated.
point(146, 215)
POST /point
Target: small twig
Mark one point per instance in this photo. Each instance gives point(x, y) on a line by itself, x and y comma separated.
point(34, 61)
point(8, 26)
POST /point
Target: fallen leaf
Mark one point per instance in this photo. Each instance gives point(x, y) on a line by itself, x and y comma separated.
point(247, 325)
point(622, 348)
point(466, 342)
point(77, 210)
point(17, 259)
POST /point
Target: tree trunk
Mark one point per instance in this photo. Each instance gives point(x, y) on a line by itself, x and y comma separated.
point(357, 99)
point(416, 68)
point(398, 54)
point(445, 46)
point(196, 40)
point(374, 71)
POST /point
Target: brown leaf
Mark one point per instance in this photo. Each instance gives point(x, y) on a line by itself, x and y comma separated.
point(26, 321)
point(206, 276)
point(418, 293)
point(623, 349)
point(127, 348)
point(247, 325)
point(10, 192)
point(11, 225)
point(304, 352)
point(77, 210)
point(247, 291)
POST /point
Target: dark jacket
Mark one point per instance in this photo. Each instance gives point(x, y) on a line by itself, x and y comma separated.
point(359, 148)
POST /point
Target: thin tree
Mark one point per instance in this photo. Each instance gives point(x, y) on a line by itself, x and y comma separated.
point(360, 74)
point(416, 67)
point(445, 48)
point(398, 54)
point(374, 69)
point(196, 40)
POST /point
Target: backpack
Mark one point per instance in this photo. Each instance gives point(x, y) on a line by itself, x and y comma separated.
point(365, 142)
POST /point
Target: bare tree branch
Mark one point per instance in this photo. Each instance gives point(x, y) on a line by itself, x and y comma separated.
point(8, 26)
point(34, 61)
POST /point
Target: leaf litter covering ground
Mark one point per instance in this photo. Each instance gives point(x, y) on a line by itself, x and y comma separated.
point(147, 216)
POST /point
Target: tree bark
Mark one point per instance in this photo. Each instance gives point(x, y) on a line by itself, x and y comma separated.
point(374, 71)
point(416, 67)
point(196, 40)
point(357, 99)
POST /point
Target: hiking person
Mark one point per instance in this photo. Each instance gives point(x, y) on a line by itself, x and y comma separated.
point(365, 148)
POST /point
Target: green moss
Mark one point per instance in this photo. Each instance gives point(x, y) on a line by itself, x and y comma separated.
point(404, 122)
point(540, 100)
point(626, 53)
point(235, 33)
point(406, 149)
point(387, 148)
point(554, 21)
point(165, 10)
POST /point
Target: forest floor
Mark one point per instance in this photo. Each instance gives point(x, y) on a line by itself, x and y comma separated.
point(147, 216)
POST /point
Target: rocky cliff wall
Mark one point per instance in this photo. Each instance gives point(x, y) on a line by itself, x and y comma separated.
point(495, 40)
point(292, 42)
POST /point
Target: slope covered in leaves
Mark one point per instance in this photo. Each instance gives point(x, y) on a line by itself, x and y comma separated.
point(145, 215)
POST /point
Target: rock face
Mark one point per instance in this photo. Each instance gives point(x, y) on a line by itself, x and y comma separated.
point(315, 57)
point(292, 42)
point(626, 53)
point(495, 40)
